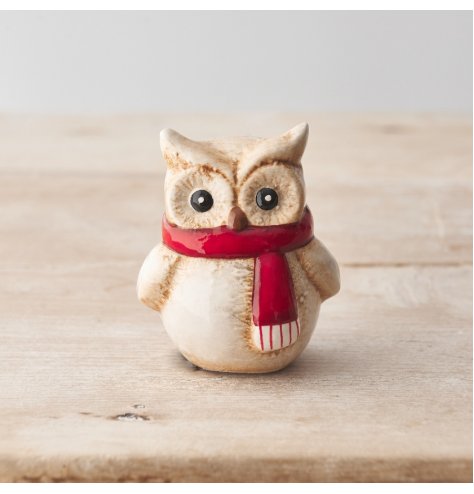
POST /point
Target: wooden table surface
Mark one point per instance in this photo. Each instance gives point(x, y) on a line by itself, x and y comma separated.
point(92, 388)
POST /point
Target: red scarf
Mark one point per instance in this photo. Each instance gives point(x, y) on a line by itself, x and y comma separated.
point(273, 292)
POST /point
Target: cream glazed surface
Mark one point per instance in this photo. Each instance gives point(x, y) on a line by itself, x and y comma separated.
point(222, 308)
point(209, 315)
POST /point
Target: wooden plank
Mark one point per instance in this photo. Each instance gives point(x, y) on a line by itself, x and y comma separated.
point(70, 219)
point(401, 180)
point(382, 393)
point(340, 146)
point(92, 388)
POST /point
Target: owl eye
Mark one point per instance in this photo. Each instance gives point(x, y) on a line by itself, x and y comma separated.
point(266, 198)
point(201, 201)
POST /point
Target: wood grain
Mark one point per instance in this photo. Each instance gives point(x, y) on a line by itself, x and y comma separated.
point(91, 386)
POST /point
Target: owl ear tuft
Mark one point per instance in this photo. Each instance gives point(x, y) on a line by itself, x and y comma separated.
point(180, 152)
point(288, 147)
point(293, 143)
point(173, 145)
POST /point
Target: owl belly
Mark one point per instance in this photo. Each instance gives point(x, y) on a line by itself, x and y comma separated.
point(208, 315)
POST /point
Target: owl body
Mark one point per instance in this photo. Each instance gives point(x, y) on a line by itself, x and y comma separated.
point(206, 303)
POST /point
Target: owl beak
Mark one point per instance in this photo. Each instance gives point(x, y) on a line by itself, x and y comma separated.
point(237, 220)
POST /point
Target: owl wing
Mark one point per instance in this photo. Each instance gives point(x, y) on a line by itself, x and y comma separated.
point(320, 267)
point(156, 275)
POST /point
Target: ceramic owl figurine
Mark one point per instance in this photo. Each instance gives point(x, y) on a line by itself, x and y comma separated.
point(239, 276)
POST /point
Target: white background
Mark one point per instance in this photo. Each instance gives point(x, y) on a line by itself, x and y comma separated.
point(99, 62)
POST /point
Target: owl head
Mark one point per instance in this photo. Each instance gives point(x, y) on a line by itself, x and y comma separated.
point(234, 182)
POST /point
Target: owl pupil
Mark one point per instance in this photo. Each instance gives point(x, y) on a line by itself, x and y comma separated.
point(266, 198)
point(201, 201)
